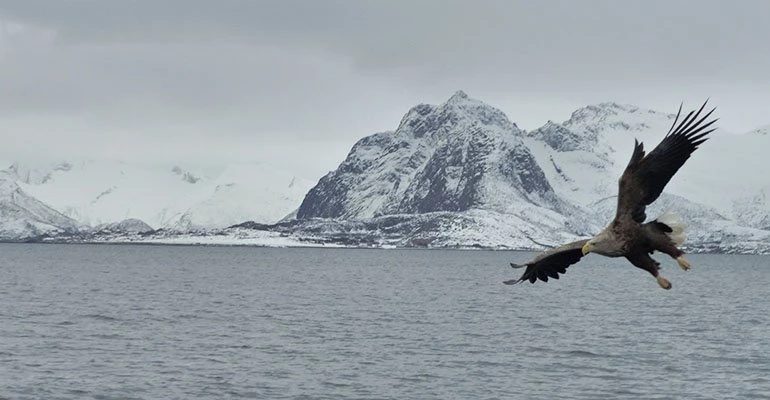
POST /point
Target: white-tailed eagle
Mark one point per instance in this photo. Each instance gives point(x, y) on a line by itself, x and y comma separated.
point(641, 184)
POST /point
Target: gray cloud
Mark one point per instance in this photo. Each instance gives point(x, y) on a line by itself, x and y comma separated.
point(307, 72)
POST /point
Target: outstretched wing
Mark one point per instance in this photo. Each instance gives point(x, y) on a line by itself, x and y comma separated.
point(550, 263)
point(645, 176)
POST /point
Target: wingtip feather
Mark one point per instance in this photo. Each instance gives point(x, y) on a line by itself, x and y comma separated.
point(689, 121)
point(675, 118)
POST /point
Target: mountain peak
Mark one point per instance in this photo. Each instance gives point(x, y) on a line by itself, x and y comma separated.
point(458, 96)
point(613, 117)
point(601, 111)
point(458, 110)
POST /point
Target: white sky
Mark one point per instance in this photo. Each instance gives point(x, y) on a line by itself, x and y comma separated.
point(296, 83)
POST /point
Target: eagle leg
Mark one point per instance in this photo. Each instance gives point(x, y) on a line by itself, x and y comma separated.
point(684, 264)
point(647, 263)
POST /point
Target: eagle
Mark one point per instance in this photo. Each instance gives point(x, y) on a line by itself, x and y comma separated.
point(628, 235)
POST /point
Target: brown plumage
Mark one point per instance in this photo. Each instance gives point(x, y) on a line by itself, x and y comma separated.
point(641, 184)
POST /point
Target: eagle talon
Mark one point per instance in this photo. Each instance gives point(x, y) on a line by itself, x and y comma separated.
point(663, 282)
point(684, 264)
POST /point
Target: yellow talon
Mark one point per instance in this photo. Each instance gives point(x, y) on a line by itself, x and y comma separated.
point(663, 282)
point(684, 264)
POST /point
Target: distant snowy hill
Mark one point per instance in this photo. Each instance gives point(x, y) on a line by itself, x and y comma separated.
point(23, 216)
point(97, 193)
point(244, 192)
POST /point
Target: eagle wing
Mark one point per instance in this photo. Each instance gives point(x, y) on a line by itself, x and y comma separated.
point(550, 263)
point(645, 176)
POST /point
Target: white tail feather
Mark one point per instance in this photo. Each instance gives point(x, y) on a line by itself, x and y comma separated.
point(677, 227)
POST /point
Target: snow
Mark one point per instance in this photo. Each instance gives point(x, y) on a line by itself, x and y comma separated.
point(233, 237)
point(22, 215)
point(170, 196)
point(245, 192)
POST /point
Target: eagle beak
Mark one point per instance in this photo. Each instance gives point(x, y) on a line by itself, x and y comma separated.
point(587, 248)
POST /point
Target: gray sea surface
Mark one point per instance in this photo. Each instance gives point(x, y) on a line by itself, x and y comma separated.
point(190, 322)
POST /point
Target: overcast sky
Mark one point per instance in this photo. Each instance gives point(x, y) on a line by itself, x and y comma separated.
point(296, 83)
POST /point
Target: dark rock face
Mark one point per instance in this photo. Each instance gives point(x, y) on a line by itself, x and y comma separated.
point(131, 225)
point(325, 200)
point(522, 171)
point(452, 157)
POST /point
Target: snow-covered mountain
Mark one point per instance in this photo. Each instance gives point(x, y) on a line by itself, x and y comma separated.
point(23, 216)
point(458, 156)
point(542, 187)
point(102, 193)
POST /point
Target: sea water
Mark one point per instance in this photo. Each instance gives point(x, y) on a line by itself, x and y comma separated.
point(184, 322)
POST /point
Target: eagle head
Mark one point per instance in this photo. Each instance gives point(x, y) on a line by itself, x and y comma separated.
point(589, 246)
point(605, 243)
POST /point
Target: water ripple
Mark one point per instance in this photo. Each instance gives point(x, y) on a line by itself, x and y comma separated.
point(113, 322)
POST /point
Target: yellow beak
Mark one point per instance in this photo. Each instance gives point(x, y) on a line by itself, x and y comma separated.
point(587, 248)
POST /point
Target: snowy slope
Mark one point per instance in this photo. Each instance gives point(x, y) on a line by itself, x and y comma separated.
point(244, 192)
point(163, 196)
point(22, 216)
point(732, 176)
point(98, 192)
point(762, 131)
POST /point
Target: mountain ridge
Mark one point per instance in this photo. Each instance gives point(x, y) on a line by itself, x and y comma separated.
point(461, 174)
